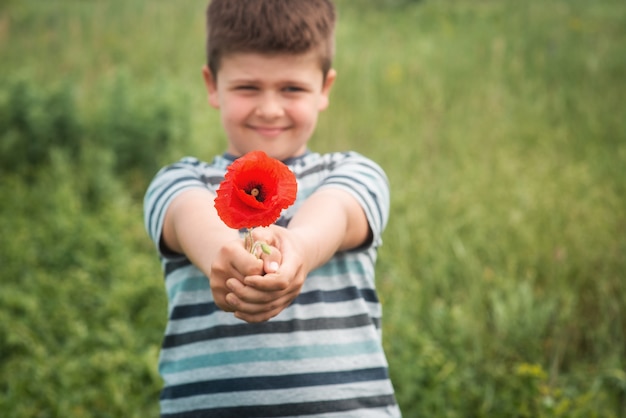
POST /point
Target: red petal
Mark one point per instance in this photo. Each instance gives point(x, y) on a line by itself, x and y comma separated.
point(238, 208)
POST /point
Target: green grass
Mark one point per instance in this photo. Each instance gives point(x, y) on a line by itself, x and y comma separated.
point(502, 128)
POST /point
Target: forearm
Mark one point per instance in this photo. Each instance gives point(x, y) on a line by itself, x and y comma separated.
point(192, 227)
point(329, 221)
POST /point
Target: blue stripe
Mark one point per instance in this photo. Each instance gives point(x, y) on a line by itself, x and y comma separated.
point(273, 382)
point(190, 284)
point(269, 327)
point(336, 296)
point(195, 310)
point(308, 298)
point(383, 402)
point(325, 166)
point(212, 180)
point(270, 355)
point(173, 265)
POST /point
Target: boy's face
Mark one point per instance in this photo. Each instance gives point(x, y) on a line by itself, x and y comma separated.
point(269, 102)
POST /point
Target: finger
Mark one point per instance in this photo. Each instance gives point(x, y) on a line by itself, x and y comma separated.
point(227, 306)
point(249, 309)
point(246, 265)
point(259, 313)
point(234, 261)
point(259, 317)
point(271, 282)
point(232, 302)
point(271, 261)
point(250, 295)
point(221, 300)
point(265, 234)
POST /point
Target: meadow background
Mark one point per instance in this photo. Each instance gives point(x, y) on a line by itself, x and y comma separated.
point(501, 125)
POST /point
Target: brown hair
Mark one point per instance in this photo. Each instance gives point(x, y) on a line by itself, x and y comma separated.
point(270, 27)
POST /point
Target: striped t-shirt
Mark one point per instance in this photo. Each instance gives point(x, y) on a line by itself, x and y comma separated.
point(322, 356)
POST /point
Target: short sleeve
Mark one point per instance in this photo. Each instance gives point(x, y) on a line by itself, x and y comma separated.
point(368, 183)
point(168, 183)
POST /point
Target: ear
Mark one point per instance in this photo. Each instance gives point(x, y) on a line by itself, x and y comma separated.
point(211, 87)
point(328, 84)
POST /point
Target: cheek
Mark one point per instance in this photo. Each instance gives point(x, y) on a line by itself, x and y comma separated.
point(234, 111)
point(305, 114)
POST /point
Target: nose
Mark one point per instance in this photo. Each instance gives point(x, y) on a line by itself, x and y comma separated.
point(269, 106)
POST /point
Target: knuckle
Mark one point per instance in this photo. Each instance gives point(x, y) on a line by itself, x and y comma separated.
point(282, 283)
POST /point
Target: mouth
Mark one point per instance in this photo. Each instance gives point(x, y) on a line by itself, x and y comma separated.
point(269, 131)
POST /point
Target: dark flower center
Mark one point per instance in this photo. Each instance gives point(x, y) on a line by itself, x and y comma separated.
point(256, 191)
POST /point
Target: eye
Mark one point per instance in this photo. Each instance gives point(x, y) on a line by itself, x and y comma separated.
point(248, 87)
point(293, 89)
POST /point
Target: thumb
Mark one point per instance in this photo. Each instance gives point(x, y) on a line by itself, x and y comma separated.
point(264, 234)
point(271, 261)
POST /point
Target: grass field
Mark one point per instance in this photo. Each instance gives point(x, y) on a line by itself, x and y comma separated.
point(502, 128)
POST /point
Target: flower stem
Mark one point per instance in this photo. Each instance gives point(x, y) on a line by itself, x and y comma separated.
point(252, 245)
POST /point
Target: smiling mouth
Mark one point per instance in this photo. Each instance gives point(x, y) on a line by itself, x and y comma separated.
point(269, 131)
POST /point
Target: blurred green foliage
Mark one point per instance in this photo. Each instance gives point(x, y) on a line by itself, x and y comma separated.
point(71, 303)
point(502, 128)
point(79, 278)
point(125, 130)
point(32, 124)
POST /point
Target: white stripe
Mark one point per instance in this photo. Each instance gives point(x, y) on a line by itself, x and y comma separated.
point(249, 342)
point(311, 365)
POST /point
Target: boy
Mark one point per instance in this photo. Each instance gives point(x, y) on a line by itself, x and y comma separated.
point(296, 333)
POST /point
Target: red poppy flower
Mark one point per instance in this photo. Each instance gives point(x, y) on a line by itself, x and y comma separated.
point(255, 190)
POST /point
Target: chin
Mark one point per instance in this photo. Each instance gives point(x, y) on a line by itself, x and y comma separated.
point(279, 153)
